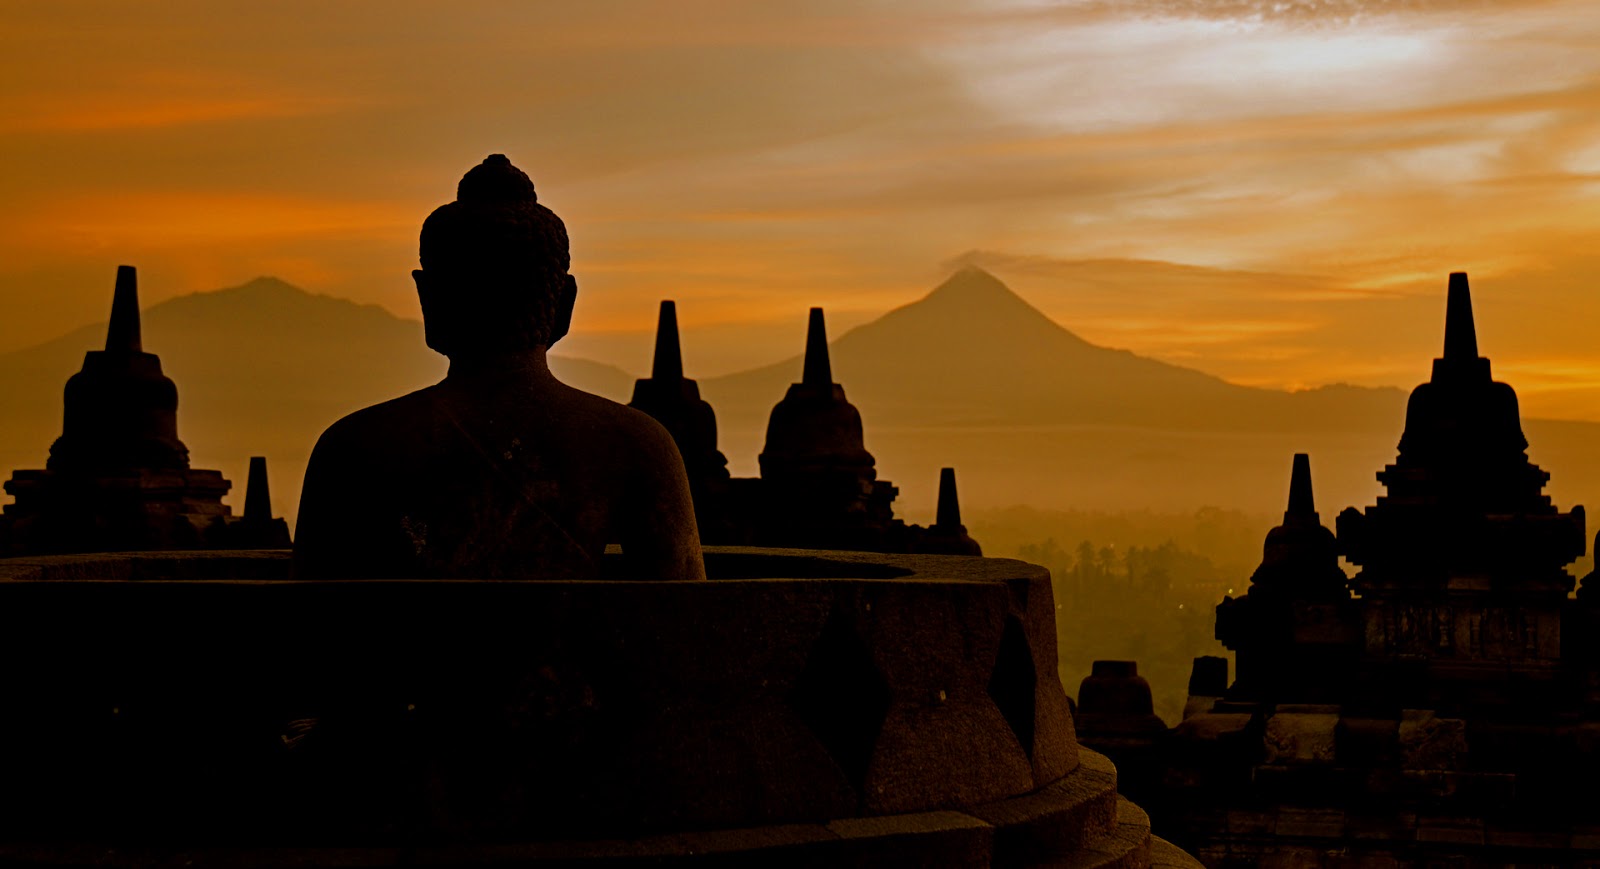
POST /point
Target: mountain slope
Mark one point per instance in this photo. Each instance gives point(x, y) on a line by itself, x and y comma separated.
point(261, 369)
point(972, 352)
point(970, 376)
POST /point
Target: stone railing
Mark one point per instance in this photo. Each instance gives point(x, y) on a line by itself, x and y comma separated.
point(205, 699)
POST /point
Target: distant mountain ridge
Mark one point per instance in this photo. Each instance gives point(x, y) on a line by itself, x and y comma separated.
point(970, 376)
point(974, 352)
point(973, 376)
point(261, 368)
point(325, 348)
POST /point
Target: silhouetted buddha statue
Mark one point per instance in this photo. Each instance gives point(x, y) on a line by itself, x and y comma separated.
point(499, 470)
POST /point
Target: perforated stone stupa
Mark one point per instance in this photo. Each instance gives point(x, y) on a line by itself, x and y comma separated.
point(1444, 713)
point(1462, 562)
point(119, 478)
point(674, 401)
point(819, 486)
point(1294, 630)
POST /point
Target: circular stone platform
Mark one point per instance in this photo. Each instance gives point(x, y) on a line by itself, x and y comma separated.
point(802, 708)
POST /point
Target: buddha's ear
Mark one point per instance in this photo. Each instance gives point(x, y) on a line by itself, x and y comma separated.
point(566, 297)
point(424, 288)
point(433, 324)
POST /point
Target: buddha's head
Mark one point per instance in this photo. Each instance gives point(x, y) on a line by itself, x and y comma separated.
point(494, 267)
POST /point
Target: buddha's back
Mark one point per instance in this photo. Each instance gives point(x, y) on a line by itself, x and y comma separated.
point(499, 471)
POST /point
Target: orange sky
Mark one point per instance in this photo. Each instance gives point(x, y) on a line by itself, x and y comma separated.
point(1269, 191)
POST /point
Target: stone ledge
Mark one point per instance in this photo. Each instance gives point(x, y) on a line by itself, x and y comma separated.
point(722, 563)
point(1126, 846)
point(177, 565)
point(1108, 832)
point(862, 685)
point(1060, 817)
point(1165, 855)
point(1400, 837)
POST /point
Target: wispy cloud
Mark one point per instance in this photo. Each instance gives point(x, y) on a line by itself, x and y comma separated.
point(156, 98)
point(1340, 11)
point(1268, 190)
point(94, 113)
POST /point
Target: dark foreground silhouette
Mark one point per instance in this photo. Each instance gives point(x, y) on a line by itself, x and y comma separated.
point(1438, 708)
point(500, 470)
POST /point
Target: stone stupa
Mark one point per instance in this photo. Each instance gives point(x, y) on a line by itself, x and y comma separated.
point(118, 478)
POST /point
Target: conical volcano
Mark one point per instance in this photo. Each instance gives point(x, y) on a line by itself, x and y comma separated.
point(972, 352)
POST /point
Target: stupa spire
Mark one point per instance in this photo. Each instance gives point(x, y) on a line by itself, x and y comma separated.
point(668, 364)
point(1300, 499)
point(818, 370)
point(1460, 334)
point(257, 497)
point(674, 401)
point(949, 514)
point(124, 333)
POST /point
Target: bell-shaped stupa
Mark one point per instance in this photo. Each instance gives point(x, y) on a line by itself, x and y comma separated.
point(118, 478)
point(1462, 560)
point(1293, 629)
point(675, 402)
point(820, 484)
point(121, 411)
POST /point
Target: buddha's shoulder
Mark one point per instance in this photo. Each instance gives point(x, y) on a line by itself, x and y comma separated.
point(382, 423)
point(419, 421)
point(596, 413)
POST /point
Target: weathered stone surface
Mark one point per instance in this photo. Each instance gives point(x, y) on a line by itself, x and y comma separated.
point(539, 724)
point(1126, 846)
point(1208, 677)
point(1301, 737)
point(934, 839)
point(1428, 742)
point(941, 715)
point(1215, 726)
point(1054, 752)
point(1058, 818)
point(1298, 823)
point(1165, 855)
point(1115, 715)
point(623, 712)
point(1456, 831)
point(1079, 821)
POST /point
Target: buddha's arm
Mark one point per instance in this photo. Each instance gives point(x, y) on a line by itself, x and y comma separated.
point(327, 543)
point(659, 537)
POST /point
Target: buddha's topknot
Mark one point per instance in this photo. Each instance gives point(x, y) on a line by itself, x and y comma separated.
point(504, 256)
point(496, 182)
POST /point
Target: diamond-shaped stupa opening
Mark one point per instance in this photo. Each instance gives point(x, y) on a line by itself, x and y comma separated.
point(841, 697)
point(1014, 681)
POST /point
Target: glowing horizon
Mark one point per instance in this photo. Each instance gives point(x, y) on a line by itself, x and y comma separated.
point(1271, 193)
